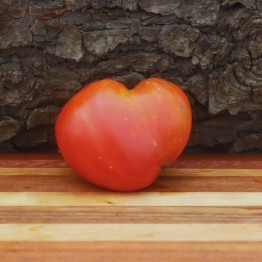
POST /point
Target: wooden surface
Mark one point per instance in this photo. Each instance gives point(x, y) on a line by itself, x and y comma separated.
point(206, 208)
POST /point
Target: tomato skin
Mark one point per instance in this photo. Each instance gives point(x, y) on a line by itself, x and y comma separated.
point(118, 138)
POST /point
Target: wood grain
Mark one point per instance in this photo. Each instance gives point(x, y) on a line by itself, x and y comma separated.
point(215, 161)
point(167, 172)
point(34, 171)
point(210, 172)
point(204, 208)
point(74, 183)
point(130, 214)
point(131, 251)
point(130, 199)
point(131, 232)
point(218, 161)
point(171, 180)
point(32, 160)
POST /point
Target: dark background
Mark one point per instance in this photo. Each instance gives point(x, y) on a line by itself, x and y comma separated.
point(211, 48)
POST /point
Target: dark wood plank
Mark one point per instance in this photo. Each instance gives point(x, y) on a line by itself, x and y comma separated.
point(74, 183)
point(219, 161)
point(131, 251)
point(32, 160)
point(130, 215)
point(185, 160)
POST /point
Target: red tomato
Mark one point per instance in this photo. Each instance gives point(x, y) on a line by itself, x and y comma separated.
point(118, 138)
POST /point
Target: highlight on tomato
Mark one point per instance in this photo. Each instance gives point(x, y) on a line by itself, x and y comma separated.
point(118, 138)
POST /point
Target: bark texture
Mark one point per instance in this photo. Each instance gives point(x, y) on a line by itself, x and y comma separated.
point(211, 48)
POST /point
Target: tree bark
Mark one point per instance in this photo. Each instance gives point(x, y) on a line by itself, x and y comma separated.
point(211, 48)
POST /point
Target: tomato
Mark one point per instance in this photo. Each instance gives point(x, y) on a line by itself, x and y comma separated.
point(118, 138)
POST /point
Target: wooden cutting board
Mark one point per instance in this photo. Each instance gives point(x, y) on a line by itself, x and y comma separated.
point(206, 208)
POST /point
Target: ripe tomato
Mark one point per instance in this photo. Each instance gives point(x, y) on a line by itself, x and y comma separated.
point(118, 138)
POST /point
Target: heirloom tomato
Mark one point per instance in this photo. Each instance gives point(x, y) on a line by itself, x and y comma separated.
point(118, 138)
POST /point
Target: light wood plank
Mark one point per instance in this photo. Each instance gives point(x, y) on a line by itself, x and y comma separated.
point(130, 199)
point(131, 232)
point(208, 172)
point(36, 171)
point(181, 172)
